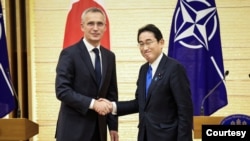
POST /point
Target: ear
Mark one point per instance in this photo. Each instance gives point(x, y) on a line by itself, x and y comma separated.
point(162, 42)
point(82, 27)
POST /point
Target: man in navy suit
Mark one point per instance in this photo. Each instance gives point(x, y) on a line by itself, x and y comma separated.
point(165, 108)
point(82, 116)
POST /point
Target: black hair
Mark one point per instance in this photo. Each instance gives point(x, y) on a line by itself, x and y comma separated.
point(150, 28)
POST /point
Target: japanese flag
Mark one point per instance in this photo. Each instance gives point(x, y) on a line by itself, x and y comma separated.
point(73, 31)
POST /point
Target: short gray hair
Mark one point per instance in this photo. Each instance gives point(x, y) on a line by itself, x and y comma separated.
point(93, 10)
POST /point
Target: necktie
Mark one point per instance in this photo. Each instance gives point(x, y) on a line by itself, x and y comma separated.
point(97, 66)
point(149, 78)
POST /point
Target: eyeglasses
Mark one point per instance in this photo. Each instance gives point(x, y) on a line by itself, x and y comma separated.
point(147, 43)
point(92, 24)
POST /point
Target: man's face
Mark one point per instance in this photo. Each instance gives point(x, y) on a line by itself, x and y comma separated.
point(150, 48)
point(93, 26)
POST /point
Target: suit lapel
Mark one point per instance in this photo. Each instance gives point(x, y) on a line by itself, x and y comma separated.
point(86, 59)
point(104, 65)
point(142, 87)
point(157, 76)
point(144, 75)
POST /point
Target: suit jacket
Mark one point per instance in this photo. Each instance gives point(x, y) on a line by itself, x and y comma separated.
point(76, 86)
point(167, 112)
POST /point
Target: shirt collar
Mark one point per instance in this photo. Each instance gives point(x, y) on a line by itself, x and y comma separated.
point(156, 63)
point(89, 46)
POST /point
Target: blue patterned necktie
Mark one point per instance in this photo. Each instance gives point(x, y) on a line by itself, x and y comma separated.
point(97, 66)
point(149, 78)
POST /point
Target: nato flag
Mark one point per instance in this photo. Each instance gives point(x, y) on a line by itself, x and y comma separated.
point(7, 99)
point(195, 42)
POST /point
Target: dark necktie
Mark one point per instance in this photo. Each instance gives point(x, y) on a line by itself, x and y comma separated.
point(97, 66)
point(149, 78)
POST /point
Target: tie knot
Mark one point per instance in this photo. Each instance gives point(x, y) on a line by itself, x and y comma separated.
point(149, 68)
point(96, 51)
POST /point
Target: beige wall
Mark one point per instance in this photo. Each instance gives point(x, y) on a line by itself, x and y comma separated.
point(47, 30)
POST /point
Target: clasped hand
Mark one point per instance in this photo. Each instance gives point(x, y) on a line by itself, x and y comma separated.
point(103, 106)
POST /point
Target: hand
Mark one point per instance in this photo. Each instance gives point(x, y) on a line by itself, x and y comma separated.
point(114, 135)
point(102, 106)
point(109, 103)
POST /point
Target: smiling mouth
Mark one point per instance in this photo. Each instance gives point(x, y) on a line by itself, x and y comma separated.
point(146, 54)
point(95, 34)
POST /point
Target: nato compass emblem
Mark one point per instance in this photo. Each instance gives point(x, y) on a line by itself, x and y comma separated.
point(193, 20)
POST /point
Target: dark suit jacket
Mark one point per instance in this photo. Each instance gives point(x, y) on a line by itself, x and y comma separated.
point(167, 113)
point(75, 87)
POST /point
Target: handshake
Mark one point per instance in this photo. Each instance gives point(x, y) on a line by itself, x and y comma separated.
point(103, 106)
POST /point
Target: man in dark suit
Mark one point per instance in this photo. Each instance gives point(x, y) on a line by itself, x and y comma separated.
point(165, 108)
point(82, 116)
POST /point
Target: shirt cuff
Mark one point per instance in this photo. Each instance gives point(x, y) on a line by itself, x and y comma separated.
point(114, 109)
point(91, 106)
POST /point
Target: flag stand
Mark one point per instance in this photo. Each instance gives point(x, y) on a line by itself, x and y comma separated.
point(204, 120)
point(15, 129)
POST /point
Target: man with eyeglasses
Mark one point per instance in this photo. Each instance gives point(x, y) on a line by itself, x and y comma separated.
point(165, 107)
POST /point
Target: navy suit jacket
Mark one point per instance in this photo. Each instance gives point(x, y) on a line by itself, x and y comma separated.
point(76, 86)
point(167, 113)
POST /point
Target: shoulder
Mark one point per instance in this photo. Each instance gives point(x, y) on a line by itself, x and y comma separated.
point(107, 51)
point(74, 48)
point(172, 62)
